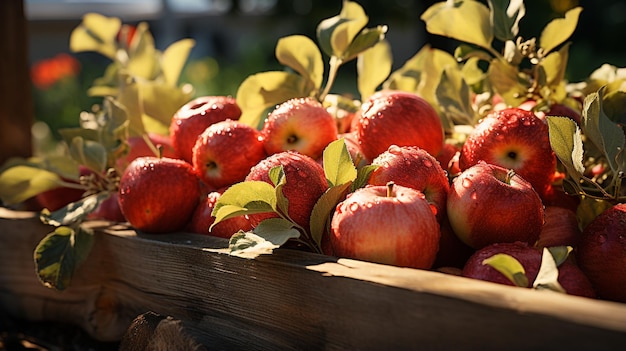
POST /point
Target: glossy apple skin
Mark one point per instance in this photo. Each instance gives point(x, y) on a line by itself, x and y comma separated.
point(225, 152)
point(601, 253)
point(560, 228)
point(196, 116)
point(201, 220)
point(415, 168)
point(399, 230)
point(158, 195)
point(109, 210)
point(393, 117)
point(514, 139)
point(571, 277)
point(138, 147)
point(301, 125)
point(483, 209)
point(305, 183)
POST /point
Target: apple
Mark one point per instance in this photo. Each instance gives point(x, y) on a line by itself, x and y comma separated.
point(391, 117)
point(158, 195)
point(388, 224)
point(57, 198)
point(201, 220)
point(196, 116)
point(225, 152)
point(352, 144)
point(571, 277)
point(601, 253)
point(305, 183)
point(415, 168)
point(447, 156)
point(139, 148)
point(489, 204)
point(453, 253)
point(555, 109)
point(560, 228)
point(514, 139)
point(109, 210)
point(299, 124)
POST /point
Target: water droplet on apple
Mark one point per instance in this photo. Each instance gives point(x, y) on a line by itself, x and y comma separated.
point(395, 150)
point(602, 238)
point(427, 163)
point(466, 183)
point(369, 205)
point(434, 209)
point(354, 206)
point(474, 195)
point(526, 122)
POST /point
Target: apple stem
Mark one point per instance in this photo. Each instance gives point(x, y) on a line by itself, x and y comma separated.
point(510, 174)
point(390, 188)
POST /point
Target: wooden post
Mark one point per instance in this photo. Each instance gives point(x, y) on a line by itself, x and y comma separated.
point(16, 103)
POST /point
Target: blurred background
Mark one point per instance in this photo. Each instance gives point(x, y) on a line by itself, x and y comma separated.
point(236, 38)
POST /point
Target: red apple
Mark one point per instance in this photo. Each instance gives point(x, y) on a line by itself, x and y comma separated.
point(352, 144)
point(556, 109)
point(305, 183)
point(446, 157)
point(415, 168)
point(201, 220)
point(452, 251)
point(139, 148)
point(489, 204)
point(571, 278)
point(109, 210)
point(300, 124)
point(57, 198)
point(225, 152)
point(601, 253)
point(560, 228)
point(196, 116)
point(401, 118)
point(386, 224)
point(514, 139)
point(158, 195)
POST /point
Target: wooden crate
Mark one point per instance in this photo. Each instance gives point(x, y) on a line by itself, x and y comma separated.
point(290, 299)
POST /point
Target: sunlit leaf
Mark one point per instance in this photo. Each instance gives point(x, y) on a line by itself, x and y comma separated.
point(277, 176)
point(58, 255)
point(174, 58)
point(247, 197)
point(453, 97)
point(161, 101)
point(21, 182)
point(463, 20)
point(96, 33)
point(560, 253)
point(464, 52)
point(365, 40)
point(143, 60)
point(548, 275)
point(506, 82)
point(588, 209)
point(74, 212)
point(614, 105)
point(472, 73)
point(335, 34)
point(505, 17)
point(555, 65)
point(338, 165)
point(267, 236)
point(373, 67)
point(566, 141)
point(90, 153)
point(362, 177)
point(324, 209)
point(131, 102)
point(302, 55)
point(510, 267)
point(559, 30)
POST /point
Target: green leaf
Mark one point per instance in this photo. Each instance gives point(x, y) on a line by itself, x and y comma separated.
point(548, 275)
point(302, 55)
point(174, 58)
point(130, 101)
point(335, 34)
point(510, 267)
point(161, 101)
point(262, 91)
point(373, 67)
point(74, 212)
point(506, 81)
point(505, 17)
point(614, 105)
point(365, 40)
point(90, 153)
point(21, 182)
point(464, 52)
point(555, 65)
point(338, 165)
point(247, 197)
point(59, 254)
point(267, 236)
point(560, 253)
point(143, 58)
point(277, 176)
point(454, 99)
point(463, 20)
point(559, 30)
point(96, 33)
point(362, 177)
point(567, 144)
point(324, 209)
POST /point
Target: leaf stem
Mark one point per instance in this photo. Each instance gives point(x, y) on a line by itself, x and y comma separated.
point(334, 64)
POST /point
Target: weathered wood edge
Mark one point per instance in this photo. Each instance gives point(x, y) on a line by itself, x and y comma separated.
point(289, 299)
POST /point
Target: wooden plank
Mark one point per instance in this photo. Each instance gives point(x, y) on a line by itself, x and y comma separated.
point(291, 299)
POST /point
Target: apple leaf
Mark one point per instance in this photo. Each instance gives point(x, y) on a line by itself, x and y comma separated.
point(277, 176)
point(96, 33)
point(614, 105)
point(560, 253)
point(267, 236)
point(143, 58)
point(362, 177)
point(567, 143)
point(338, 165)
point(454, 100)
point(373, 67)
point(21, 182)
point(161, 101)
point(510, 267)
point(548, 275)
point(174, 58)
point(58, 255)
point(505, 80)
point(464, 52)
point(262, 91)
point(324, 209)
point(90, 153)
point(242, 198)
point(302, 55)
point(335, 34)
point(559, 30)
point(74, 212)
point(505, 17)
point(365, 40)
point(463, 20)
point(589, 208)
point(555, 65)
point(130, 101)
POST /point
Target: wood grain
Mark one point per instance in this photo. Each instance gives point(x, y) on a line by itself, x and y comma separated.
point(291, 299)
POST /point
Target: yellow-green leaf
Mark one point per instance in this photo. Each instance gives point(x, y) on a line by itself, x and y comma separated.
point(366, 39)
point(373, 67)
point(559, 30)
point(143, 60)
point(506, 81)
point(245, 198)
point(96, 33)
point(302, 55)
point(335, 34)
point(338, 165)
point(161, 101)
point(21, 182)
point(464, 20)
point(174, 58)
point(566, 142)
point(510, 267)
point(548, 275)
point(555, 65)
point(90, 153)
point(505, 17)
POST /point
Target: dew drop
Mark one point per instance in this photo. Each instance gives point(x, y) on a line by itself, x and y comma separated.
point(466, 183)
point(602, 238)
point(434, 209)
point(394, 150)
point(473, 195)
point(353, 207)
point(427, 163)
